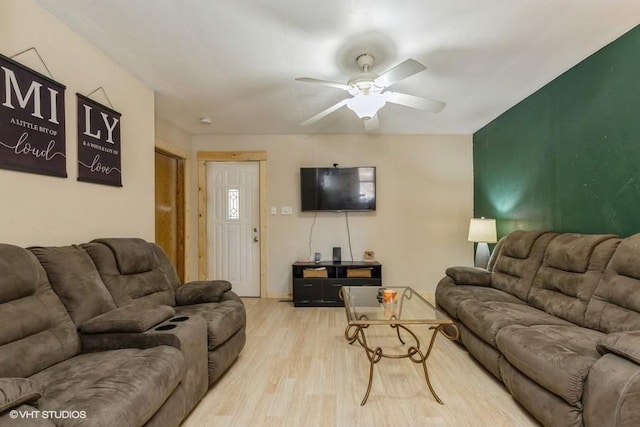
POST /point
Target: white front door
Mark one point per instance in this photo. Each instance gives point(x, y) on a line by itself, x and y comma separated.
point(233, 229)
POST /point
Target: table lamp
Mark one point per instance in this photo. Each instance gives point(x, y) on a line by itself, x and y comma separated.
point(482, 231)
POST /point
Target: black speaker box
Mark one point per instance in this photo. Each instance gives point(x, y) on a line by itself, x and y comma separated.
point(337, 255)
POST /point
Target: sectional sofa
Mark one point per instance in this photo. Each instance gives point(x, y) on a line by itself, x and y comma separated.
point(104, 334)
point(556, 318)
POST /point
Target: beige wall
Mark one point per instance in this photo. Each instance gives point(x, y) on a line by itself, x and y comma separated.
point(171, 138)
point(424, 182)
point(42, 210)
point(425, 200)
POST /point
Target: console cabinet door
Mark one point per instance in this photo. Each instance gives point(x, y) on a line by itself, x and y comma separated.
point(332, 290)
point(307, 290)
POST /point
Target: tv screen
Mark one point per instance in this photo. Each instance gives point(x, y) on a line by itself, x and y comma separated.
point(338, 189)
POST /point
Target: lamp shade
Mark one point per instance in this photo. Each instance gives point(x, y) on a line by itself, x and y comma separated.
point(366, 106)
point(482, 230)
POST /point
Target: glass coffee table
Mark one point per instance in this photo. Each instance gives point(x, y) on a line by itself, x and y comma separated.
point(399, 308)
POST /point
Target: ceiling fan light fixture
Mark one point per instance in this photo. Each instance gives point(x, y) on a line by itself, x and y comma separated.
point(369, 91)
point(366, 106)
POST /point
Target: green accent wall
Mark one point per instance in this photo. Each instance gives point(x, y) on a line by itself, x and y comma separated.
point(567, 158)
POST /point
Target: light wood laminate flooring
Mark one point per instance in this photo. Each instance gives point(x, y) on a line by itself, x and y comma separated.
point(298, 370)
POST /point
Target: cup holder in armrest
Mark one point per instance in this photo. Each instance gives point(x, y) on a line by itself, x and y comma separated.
point(179, 319)
point(165, 327)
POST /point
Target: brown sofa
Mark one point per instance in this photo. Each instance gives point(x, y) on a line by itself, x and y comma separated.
point(556, 318)
point(136, 270)
point(74, 351)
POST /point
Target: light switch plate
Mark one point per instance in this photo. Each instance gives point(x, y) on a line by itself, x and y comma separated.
point(286, 210)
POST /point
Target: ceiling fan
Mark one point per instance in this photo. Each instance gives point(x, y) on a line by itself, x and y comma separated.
point(369, 91)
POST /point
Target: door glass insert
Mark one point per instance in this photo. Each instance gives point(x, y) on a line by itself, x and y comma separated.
point(233, 203)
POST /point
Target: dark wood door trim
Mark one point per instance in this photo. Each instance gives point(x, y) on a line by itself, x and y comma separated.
point(180, 211)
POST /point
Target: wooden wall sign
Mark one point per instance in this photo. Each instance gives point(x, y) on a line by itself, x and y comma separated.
point(32, 136)
point(99, 156)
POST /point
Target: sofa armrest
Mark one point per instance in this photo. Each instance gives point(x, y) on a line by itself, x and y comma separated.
point(128, 318)
point(231, 296)
point(624, 344)
point(199, 292)
point(469, 276)
point(17, 391)
point(612, 390)
point(611, 395)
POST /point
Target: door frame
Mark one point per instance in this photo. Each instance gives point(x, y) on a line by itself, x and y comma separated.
point(232, 156)
point(181, 203)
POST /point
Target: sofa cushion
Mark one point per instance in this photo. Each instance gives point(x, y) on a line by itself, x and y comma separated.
point(488, 355)
point(518, 244)
point(151, 286)
point(201, 291)
point(518, 261)
point(223, 357)
point(16, 391)
point(572, 252)
point(35, 328)
point(18, 274)
point(572, 266)
point(165, 265)
point(624, 344)
point(75, 279)
point(615, 304)
point(449, 295)
point(625, 259)
point(486, 319)
point(133, 255)
point(223, 319)
point(35, 332)
point(549, 409)
point(554, 356)
point(134, 318)
point(113, 388)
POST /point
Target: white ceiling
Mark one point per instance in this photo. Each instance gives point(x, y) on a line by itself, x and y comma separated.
point(235, 60)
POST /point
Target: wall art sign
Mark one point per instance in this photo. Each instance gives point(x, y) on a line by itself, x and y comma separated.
point(99, 156)
point(32, 137)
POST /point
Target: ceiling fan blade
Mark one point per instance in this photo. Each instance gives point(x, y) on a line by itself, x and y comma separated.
point(324, 83)
point(415, 102)
point(324, 113)
point(372, 123)
point(400, 72)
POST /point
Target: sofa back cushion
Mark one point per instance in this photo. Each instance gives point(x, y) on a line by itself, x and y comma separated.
point(494, 255)
point(132, 255)
point(572, 266)
point(615, 304)
point(166, 266)
point(76, 281)
point(518, 259)
point(131, 271)
point(35, 329)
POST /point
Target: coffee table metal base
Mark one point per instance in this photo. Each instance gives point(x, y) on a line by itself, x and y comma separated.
point(355, 333)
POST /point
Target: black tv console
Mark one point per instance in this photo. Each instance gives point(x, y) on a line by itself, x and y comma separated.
point(318, 284)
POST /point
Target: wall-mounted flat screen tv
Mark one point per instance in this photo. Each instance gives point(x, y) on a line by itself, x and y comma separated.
point(338, 189)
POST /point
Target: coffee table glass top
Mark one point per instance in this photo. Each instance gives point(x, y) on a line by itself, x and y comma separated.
point(367, 305)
